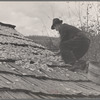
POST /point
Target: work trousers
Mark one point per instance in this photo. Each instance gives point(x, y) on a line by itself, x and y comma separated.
point(74, 49)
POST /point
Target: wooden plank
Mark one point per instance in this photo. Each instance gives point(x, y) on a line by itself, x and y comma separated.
point(52, 87)
point(48, 83)
point(52, 97)
point(11, 78)
point(20, 69)
point(83, 74)
point(72, 75)
point(72, 85)
point(15, 69)
point(92, 91)
point(43, 97)
point(6, 77)
point(26, 71)
point(61, 76)
point(5, 67)
point(29, 86)
point(76, 76)
point(80, 88)
point(5, 95)
point(63, 72)
point(37, 84)
point(8, 94)
point(56, 75)
point(20, 86)
point(14, 82)
point(34, 96)
point(18, 83)
point(72, 88)
point(4, 82)
point(51, 75)
point(68, 75)
point(58, 87)
point(27, 80)
point(21, 95)
point(49, 88)
point(91, 85)
point(84, 89)
point(12, 69)
point(30, 81)
point(37, 73)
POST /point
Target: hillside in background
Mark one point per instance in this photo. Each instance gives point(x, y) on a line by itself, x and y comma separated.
point(52, 43)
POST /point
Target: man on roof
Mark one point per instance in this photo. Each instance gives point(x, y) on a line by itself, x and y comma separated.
point(73, 42)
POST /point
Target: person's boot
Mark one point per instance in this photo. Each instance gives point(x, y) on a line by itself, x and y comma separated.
point(80, 65)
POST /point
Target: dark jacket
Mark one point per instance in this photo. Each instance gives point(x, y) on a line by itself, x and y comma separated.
point(68, 32)
point(73, 39)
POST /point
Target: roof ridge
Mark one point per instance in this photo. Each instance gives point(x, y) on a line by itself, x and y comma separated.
point(9, 25)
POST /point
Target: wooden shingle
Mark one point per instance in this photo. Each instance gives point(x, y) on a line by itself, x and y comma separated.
point(25, 74)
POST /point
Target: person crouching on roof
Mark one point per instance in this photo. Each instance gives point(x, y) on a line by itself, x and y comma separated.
point(73, 42)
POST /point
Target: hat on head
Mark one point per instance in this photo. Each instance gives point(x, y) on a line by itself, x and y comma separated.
point(55, 22)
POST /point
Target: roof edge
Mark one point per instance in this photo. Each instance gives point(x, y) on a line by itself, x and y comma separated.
point(8, 25)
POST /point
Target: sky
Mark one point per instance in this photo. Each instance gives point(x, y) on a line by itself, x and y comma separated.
point(35, 17)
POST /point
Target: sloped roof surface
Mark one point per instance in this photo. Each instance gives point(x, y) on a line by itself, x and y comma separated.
point(26, 71)
point(19, 82)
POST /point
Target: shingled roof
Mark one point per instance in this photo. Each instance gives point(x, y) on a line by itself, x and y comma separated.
point(26, 71)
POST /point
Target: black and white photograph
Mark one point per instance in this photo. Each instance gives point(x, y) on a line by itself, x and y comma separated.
point(49, 49)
